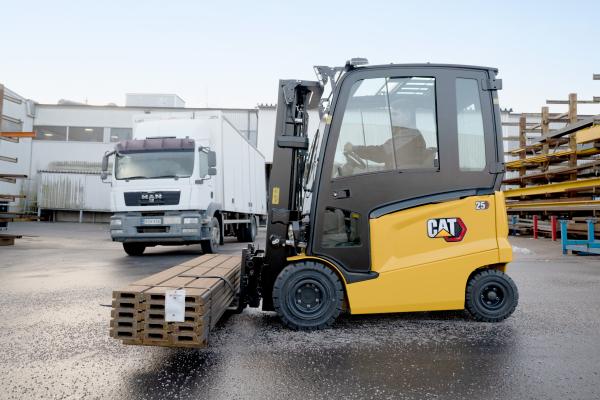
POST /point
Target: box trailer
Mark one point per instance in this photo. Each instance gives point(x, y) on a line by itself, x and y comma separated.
point(185, 181)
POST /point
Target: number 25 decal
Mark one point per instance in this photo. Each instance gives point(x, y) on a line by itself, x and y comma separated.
point(482, 205)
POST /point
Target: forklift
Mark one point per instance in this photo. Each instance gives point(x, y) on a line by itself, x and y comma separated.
point(393, 205)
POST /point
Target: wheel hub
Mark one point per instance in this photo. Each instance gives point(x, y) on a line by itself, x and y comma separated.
point(492, 296)
point(308, 296)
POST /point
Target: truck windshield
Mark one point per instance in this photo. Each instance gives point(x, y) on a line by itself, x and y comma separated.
point(154, 165)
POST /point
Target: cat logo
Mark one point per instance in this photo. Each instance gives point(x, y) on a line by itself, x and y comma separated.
point(451, 229)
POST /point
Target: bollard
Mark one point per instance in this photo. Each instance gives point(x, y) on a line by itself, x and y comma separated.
point(535, 226)
point(553, 227)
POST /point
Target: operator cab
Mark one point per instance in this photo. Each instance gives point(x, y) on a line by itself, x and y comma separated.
point(400, 136)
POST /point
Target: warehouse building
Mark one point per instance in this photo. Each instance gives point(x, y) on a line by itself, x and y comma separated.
point(62, 161)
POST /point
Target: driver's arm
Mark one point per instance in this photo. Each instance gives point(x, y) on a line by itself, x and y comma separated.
point(374, 153)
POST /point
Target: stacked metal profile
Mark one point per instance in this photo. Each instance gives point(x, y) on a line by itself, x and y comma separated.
point(555, 174)
point(6, 176)
point(210, 282)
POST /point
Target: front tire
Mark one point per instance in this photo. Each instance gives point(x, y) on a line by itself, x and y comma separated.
point(212, 245)
point(308, 296)
point(133, 249)
point(491, 296)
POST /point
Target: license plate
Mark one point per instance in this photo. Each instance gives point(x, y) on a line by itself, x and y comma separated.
point(152, 221)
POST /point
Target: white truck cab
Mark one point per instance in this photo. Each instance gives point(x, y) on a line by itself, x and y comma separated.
point(185, 181)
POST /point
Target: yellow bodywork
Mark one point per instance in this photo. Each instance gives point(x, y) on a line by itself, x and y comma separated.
point(419, 273)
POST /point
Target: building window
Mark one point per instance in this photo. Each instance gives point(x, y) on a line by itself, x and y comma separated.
point(85, 134)
point(119, 134)
point(50, 133)
point(471, 142)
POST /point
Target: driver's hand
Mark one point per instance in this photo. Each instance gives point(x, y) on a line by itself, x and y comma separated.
point(348, 147)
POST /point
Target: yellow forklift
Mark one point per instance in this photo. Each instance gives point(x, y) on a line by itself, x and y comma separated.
point(393, 205)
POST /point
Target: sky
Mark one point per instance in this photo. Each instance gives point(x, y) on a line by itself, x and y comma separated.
point(232, 53)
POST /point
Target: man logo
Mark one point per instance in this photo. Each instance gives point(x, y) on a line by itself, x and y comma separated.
point(151, 197)
point(451, 229)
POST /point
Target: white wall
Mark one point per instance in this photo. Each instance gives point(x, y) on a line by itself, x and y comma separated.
point(266, 131)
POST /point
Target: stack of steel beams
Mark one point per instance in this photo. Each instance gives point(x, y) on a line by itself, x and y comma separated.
point(210, 284)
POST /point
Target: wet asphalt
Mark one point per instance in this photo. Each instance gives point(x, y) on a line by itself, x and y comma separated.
point(55, 344)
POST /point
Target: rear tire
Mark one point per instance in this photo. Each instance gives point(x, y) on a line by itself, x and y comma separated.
point(212, 245)
point(133, 249)
point(491, 296)
point(247, 233)
point(308, 296)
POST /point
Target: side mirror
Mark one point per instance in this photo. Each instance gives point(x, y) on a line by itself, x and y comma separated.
point(104, 172)
point(212, 171)
point(212, 160)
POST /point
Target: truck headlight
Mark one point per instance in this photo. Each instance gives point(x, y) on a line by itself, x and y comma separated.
point(189, 230)
point(171, 220)
point(191, 220)
point(116, 222)
point(117, 231)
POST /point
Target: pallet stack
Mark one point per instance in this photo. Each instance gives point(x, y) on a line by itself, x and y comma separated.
point(211, 283)
point(554, 170)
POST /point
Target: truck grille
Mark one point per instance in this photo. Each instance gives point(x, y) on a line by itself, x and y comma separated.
point(152, 229)
point(170, 198)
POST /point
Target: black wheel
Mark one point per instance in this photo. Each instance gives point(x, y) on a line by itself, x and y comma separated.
point(133, 249)
point(247, 233)
point(212, 245)
point(308, 296)
point(491, 296)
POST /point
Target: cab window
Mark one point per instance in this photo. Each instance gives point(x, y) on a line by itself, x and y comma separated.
point(388, 124)
point(471, 141)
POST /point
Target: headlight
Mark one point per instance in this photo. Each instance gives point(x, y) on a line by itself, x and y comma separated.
point(191, 220)
point(117, 231)
point(116, 222)
point(171, 220)
point(187, 230)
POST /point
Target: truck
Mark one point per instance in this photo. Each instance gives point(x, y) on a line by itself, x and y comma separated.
point(184, 181)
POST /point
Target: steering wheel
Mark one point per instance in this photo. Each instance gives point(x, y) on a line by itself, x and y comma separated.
point(354, 160)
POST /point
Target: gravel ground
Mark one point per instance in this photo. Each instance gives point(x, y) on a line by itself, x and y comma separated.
point(55, 341)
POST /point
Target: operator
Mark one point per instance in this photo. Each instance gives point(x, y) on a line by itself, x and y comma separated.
point(406, 147)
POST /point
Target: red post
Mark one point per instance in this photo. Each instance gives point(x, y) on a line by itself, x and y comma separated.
point(553, 227)
point(535, 226)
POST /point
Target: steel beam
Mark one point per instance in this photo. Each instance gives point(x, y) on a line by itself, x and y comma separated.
point(553, 188)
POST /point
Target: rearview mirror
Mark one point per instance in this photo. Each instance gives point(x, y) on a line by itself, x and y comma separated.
point(212, 171)
point(212, 160)
point(104, 172)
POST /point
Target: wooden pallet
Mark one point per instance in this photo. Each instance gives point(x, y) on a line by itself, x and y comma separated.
point(8, 240)
point(211, 283)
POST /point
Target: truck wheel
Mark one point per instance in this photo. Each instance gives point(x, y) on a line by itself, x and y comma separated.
point(308, 296)
point(248, 232)
point(491, 296)
point(133, 249)
point(212, 245)
point(252, 229)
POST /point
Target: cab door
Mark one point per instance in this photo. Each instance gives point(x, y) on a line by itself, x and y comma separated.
point(393, 143)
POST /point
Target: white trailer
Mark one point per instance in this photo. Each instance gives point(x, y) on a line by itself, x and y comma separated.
point(185, 181)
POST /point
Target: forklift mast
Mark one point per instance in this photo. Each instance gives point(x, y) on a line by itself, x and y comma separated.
point(286, 229)
point(295, 98)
